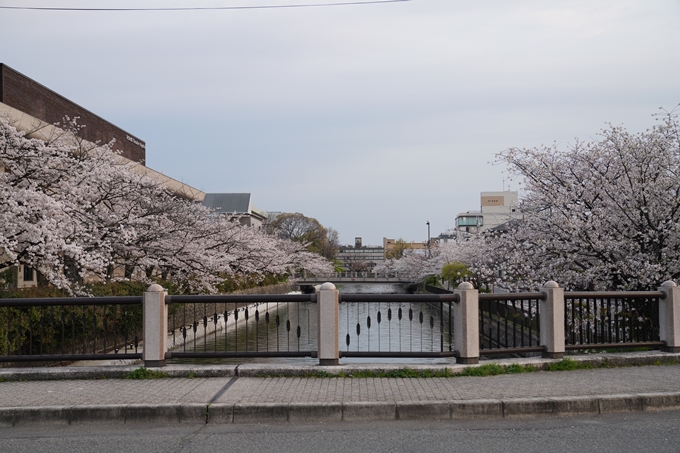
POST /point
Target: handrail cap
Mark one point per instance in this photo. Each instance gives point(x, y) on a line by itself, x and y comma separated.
point(669, 284)
point(155, 288)
point(466, 286)
point(551, 284)
point(327, 286)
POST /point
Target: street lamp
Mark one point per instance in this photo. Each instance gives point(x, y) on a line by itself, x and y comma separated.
point(428, 239)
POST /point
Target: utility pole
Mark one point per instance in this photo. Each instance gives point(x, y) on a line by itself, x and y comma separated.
point(429, 254)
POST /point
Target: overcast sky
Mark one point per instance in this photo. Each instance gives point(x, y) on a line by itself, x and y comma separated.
point(371, 118)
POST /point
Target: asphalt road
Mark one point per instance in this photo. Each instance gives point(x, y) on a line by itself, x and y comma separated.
point(624, 432)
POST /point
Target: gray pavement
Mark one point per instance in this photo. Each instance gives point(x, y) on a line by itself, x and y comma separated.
point(252, 393)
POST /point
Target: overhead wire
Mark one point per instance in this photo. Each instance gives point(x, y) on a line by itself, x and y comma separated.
point(206, 8)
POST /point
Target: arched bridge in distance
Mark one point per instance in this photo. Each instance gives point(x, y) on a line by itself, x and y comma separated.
point(354, 277)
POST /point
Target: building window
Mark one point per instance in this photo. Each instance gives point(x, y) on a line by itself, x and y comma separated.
point(28, 274)
point(470, 221)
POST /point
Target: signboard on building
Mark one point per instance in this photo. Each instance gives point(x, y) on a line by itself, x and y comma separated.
point(493, 201)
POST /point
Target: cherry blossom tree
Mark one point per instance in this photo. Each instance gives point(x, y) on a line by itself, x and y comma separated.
point(75, 210)
point(603, 214)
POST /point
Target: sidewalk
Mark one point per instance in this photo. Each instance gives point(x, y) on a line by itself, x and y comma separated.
point(251, 393)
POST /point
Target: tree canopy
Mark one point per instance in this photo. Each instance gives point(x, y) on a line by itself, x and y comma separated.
point(602, 214)
point(308, 231)
point(73, 210)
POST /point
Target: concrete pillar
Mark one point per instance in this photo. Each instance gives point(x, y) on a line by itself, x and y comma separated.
point(155, 326)
point(552, 320)
point(466, 324)
point(329, 321)
point(669, 316)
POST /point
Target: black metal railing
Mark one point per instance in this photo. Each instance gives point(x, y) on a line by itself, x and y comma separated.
point(509, 323)
point(396, 325)
point(611, 319)
point(68, 329)
point(242, 326)
point(370, 325)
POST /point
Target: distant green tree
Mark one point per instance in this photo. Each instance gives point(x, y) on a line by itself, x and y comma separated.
point(306, 230)
point(397, 252)
point(455, 272)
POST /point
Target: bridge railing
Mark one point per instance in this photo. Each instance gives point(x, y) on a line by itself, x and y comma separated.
point(464, 324)
point(396, 325)
point(336, 276)
point(509, 323)
point(232, 326)
point(67, 329)
point(612, 319)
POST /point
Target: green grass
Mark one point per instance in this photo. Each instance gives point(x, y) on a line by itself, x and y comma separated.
point(487, 369)
point(490, 369)
point(494, 369)
point(398, 373)
point(145, 373)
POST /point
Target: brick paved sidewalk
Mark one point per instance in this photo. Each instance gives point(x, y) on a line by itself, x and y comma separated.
point(254, 390)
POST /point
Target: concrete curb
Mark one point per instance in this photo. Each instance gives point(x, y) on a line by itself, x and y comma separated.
point(336, 412)
point(112, 372)
point(277, 370)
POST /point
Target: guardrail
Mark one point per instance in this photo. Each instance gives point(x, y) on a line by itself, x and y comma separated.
point(464, 324)
point(612, 319)
point(67, 329)
point(397, 325)
point(509, 323)
point(233, 326)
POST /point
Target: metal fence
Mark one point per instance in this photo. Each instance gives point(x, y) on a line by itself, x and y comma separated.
point(612, 319)
point(67, 329)
point(233, 326)
point(370, 325)
point(396, 325)
point(509, 323)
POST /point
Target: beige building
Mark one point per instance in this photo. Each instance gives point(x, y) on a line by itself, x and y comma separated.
point(391, 245)
point(497, 208)
point(359, 257)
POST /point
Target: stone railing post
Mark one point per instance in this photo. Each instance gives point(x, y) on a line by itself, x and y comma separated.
point(155, 326)
point(466, 324)
point(669, 316)
point(329, 319)
point(552, 320)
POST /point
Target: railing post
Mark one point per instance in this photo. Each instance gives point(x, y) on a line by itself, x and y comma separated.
point(551, 320)
point(155, 326)
point(466, 324)
point(329, 319)
point(669, 316)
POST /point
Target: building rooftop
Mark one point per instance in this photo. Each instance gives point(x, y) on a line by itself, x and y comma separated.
point(232, 203)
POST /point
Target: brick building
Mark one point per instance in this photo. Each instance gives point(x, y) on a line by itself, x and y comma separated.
point(28, 96)
point(34, 109)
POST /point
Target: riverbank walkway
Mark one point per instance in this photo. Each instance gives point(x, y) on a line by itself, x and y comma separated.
point(279, 393)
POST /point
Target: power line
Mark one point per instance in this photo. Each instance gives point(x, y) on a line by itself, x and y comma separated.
point(207, 8)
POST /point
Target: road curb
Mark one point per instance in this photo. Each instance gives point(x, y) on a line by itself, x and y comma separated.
point(334, 412)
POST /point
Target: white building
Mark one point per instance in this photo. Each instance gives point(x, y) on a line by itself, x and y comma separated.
point(496, 208)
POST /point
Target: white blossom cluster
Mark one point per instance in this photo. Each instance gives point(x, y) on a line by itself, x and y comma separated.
point(599, 215)
point(75, 211)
